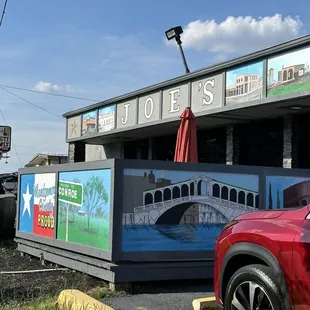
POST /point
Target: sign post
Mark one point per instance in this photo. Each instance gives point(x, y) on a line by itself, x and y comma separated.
point(5, 139)
point(71, 194)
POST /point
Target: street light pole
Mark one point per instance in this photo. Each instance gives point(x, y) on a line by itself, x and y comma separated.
point(178, 39)
point(175, 33)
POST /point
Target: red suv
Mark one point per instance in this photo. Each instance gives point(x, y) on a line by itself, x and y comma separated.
point(262, 261)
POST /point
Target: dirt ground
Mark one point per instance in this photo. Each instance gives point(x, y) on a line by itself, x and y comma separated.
point(22, 287)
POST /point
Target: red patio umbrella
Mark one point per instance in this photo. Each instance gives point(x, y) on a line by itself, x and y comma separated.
point(186, 146)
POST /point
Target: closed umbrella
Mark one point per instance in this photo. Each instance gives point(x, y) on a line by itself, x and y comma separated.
point(186, 146)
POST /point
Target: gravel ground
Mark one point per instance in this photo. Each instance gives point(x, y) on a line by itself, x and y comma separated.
point(21, 287)
point(163, 296)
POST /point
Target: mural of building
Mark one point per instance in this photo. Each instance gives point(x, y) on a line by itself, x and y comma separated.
point(106, 119)
point(89, 123)
point(245, 84)
point(297, 195)
point(288, 74)
point(287, 192)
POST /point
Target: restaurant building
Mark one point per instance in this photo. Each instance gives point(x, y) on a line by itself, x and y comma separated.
point(252, 110)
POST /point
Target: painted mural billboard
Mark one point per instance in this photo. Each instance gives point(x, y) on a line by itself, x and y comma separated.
point(287, 192)
point(181, 210)
point(84, 199)
point(106, 118)
point(37, 204)
point(245, 83)
point(289, 73)
point(89, 123)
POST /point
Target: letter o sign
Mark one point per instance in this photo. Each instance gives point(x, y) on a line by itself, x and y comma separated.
point(148, 108)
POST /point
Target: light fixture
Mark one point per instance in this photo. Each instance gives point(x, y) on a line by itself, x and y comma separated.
point(175, 33)
point(296, 108)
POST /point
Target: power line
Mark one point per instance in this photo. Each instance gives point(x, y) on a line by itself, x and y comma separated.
point(3, 12)
point(15, 149)
point(47, 93)
point(33, 104)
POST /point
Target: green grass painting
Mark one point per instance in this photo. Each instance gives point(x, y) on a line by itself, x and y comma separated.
point(96, 236)
point(299, 85)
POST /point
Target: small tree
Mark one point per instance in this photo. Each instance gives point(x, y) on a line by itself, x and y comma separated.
point(95, 196)
point(278, 200)
point(270, 202)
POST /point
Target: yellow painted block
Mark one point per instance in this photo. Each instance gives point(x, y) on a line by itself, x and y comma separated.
point(204, 303)
point(77, 300)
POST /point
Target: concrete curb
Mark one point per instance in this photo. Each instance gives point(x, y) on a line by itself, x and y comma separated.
point(77, 300)
point(205, 303)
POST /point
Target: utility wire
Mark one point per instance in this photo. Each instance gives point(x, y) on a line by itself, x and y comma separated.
point(33, 104)
point(15, 149)
point(47, 93)
point(3, 12)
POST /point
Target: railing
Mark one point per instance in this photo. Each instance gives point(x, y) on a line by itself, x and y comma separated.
point(211, 199)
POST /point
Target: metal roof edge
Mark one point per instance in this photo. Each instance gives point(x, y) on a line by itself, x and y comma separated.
point(269, 51)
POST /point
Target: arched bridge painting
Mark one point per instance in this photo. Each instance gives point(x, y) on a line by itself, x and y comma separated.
point(182, 210)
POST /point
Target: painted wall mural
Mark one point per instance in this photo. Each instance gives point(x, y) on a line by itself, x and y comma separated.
point(287, 192)
point(84, 202)
point(289, 73)
point(182, 210)
point(245, 83)
point(89, 123)
point(37, 204)
point(106, 118)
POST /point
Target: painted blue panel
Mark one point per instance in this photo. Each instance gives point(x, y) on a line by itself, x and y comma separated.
point(182, 210)
point(26, 201)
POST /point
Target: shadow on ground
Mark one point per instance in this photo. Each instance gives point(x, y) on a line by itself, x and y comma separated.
point(165, 295)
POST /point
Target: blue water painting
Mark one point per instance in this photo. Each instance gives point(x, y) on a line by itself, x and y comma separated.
point(170, 237)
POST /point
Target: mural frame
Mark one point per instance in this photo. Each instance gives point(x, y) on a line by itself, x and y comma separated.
point(77, 248)
point(150, 256)
point(115, 253)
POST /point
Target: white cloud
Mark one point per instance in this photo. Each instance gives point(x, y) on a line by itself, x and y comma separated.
point(52, 88)
point(242, 34)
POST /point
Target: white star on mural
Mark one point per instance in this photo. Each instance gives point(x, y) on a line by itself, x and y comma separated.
point(27, 196)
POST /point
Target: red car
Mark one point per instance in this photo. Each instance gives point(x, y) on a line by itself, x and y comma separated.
point(262, 261)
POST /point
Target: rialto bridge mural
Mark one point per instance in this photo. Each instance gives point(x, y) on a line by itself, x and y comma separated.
point(203, 201)
point(217, 202)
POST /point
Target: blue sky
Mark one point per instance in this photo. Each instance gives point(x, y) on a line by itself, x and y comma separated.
point(246, 181)
point(101, 49)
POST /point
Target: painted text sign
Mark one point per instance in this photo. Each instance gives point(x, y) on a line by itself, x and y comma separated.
point(70, 192)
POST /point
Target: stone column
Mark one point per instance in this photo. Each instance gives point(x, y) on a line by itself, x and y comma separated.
point(71, 153)
point(76, 152)
point(287, 142)
point(150, 150)
point(232, 145)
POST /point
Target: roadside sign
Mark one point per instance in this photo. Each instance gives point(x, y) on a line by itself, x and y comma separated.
point(70, 192)
point(5, 138)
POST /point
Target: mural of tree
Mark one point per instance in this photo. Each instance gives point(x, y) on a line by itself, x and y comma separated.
point(95, 196)
point(270, 203)
point(278, 200)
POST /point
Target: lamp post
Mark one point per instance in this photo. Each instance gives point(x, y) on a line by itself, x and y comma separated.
point(175, 33)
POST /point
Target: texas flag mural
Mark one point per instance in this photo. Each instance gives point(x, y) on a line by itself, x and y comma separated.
point(37, 204)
